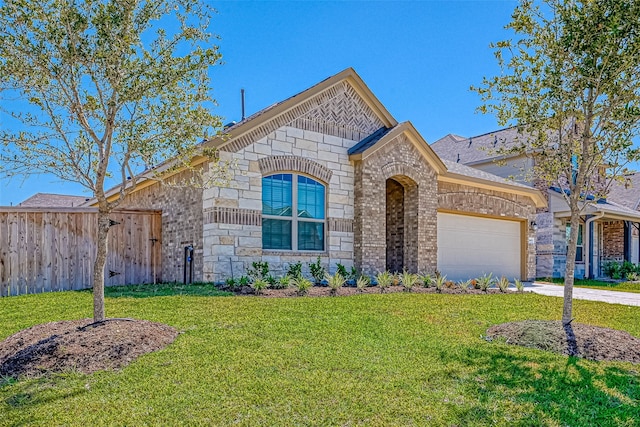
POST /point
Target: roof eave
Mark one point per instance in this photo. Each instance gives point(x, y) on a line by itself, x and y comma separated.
point(455, 178)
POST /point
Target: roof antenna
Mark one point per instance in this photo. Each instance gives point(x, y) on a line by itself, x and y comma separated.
point(458, 161)
point(495, 140)
point(470, 141)
point(242, 97)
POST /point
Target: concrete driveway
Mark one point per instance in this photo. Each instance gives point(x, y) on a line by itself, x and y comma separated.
point(612, 297)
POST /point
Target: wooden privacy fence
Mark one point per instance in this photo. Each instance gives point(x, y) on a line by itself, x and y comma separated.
point(53, 249)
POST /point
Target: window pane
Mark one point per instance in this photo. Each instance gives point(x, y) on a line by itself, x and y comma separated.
point(276, 195)
point(310, 198)
point(310, 236)
point(580, 234)
point(579, 254)
point(276, 234)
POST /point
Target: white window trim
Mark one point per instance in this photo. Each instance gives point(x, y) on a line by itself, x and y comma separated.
point(294, 214)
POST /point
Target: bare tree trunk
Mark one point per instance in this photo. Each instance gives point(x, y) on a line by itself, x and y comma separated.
point(99, 265)
point(569, 273)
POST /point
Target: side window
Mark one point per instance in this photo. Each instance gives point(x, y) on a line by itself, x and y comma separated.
point(580, 246)
point(293, 213)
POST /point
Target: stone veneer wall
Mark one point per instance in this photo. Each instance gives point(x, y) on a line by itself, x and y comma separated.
point(462, 198)
point(401, 161)
point(232, 227)
point(552, 247)
point(181, 225)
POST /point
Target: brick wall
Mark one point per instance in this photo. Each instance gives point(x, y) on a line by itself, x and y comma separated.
point(400, 161)
point(613, 237)
point(395, 201)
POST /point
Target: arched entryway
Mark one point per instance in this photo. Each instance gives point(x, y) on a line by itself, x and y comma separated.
point(401, 224)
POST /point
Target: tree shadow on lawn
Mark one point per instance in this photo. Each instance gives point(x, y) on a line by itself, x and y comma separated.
point(545, 390)
point(34, 392)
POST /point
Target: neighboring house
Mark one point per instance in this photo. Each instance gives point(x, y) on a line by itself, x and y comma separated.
point(609, 229)
point(330, 173)
point(49, 200)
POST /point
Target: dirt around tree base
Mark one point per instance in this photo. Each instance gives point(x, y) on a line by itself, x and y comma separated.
point(80, 345)
point(585, 341)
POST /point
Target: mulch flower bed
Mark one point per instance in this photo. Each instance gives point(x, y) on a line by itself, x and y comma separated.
point(80, 345)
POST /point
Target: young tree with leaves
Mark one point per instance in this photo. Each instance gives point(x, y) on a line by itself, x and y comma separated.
point(570, 82)
point(101, 90)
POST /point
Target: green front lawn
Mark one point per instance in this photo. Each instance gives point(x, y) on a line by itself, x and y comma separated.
point(599, 284)
point(370, 360)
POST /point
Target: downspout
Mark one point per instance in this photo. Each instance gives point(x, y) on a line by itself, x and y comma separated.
point(587, 258)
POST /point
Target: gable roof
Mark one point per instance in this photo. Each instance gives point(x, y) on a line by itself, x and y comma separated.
point(271, 118)
point(382, 137)
point(446, 170)
point(313, 99)
point(475, 149)
point(627, 192)
point(285, 111)
point(46, 200)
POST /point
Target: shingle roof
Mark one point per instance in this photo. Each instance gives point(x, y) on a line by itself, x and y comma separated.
point(615, 208)
point(479, 174)
point(369, 141)
point(627, 192)
point(476, 148)
point(53, 201)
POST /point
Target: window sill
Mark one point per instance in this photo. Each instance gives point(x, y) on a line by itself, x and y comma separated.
point(293, 253)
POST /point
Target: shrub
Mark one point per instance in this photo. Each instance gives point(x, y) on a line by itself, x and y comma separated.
point(353, 275)
point(295, 270)
point(464, 284)
point(408, 280)
point(384, 280)
point(450, 284)
point(258, 270)
point(485, 281)
point(302, 284)
point(317, 270)
point(613, 269)
point(425, 279)
point(627, 268)
point(342, 270)
point(503, 284)
point(362, 282)
point(519, 285)
point(282, 283)
point(633, 277)
point(335, 282)
point(474, 283)
point(244, 281)
point(439, 282)
point(259, 285)
point(271, 281)
point(232, 285)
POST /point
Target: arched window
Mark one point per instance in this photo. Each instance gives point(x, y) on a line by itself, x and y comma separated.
point(293, 213)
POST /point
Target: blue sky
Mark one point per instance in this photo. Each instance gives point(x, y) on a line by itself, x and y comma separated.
point(418, 57)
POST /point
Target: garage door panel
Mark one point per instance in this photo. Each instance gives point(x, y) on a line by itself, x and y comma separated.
point(471, 246)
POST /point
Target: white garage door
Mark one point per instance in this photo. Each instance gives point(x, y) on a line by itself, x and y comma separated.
point(470, 246)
